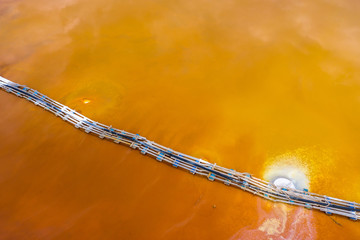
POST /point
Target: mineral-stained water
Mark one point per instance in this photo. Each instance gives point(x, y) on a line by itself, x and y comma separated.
point(264, 87)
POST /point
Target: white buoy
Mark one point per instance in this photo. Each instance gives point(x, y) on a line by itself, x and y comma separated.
point(282, 182)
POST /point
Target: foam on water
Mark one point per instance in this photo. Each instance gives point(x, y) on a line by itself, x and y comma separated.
point(287, 172)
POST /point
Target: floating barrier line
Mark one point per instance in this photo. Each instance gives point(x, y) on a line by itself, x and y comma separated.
point(213, 172)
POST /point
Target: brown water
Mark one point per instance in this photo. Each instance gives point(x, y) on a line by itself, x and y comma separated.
point(266, 87)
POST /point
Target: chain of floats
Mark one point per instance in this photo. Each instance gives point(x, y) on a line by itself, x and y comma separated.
point(194, 165)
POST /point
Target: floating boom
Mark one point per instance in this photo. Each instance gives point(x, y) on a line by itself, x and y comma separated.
point(213, 172)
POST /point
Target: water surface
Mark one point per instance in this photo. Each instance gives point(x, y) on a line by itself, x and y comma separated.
point(265, 87)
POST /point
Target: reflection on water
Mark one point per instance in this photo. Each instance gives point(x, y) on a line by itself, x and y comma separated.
point(246, 84)
point(281, 222)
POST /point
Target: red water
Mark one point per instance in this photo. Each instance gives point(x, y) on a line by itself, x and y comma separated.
point(258, 86)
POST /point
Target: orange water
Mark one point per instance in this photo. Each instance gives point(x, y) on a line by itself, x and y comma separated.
point(251, 85)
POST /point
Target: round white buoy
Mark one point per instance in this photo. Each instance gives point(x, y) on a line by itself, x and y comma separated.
point(282, 182)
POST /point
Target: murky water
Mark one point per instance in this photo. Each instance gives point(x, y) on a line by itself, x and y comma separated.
point(264, 87)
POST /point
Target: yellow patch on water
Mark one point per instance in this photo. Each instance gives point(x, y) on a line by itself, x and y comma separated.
point(85, 101)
